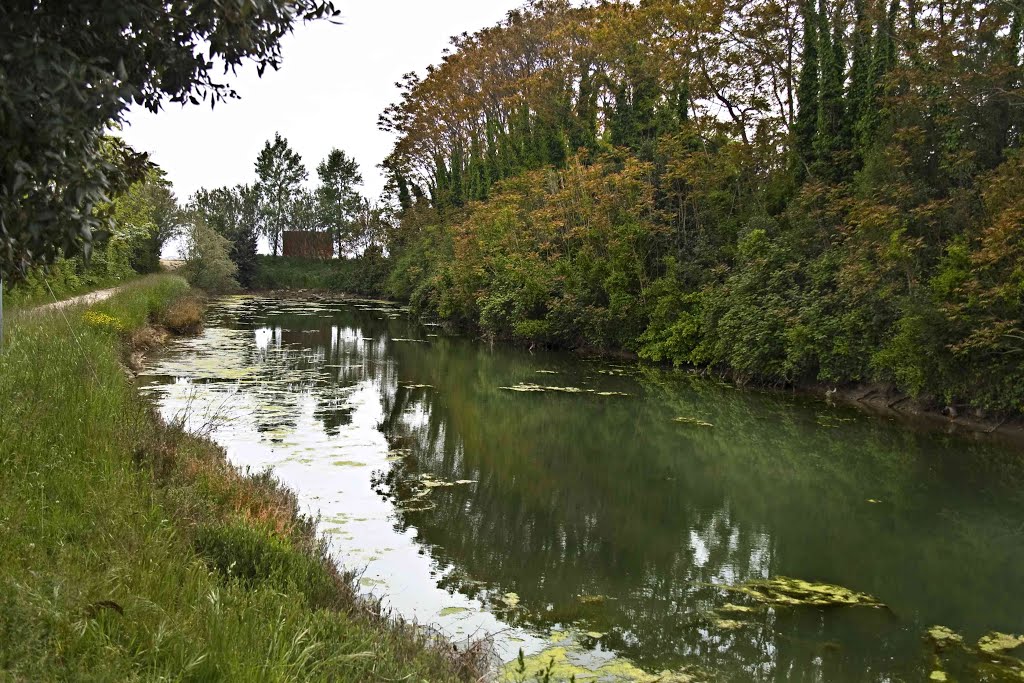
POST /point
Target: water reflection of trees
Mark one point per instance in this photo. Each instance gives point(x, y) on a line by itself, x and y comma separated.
point(607, 496)
point(602, 496)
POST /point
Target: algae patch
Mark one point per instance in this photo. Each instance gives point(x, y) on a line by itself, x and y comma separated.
point(568, 662)
point(783, 590)
point(997, 643)
point(989, 661)
point(529, 388)
point(944, 636)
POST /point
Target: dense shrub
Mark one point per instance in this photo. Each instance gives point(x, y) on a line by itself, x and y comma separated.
point(208, 264)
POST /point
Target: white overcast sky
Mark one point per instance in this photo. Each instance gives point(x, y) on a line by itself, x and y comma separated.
point(334, 82)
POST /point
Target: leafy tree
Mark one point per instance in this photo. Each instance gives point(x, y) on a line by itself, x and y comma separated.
point(337, 199)
point(233, 212)
point(207, 263)
point(808, 93)
point(830, 144)
point(883, 57)
point(280, 174)
point(68, 70)
point(150, 210)
point(857, 97)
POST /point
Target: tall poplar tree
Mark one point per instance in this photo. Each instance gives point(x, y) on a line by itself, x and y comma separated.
point(883, 57)
point(807, 94)
point(829, 143)
point(859, 89)
point(280, 175)
point(337, 198)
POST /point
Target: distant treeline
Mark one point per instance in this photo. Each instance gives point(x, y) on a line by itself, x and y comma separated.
point(789, 191)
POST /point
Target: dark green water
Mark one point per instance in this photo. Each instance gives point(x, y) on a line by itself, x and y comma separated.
point(603, 514)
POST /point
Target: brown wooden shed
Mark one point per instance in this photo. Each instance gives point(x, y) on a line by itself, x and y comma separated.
point(306, 244)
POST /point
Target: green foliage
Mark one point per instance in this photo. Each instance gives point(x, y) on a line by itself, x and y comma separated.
point(208, 263)
point(556, 257)
point(70, 70)
point(234, 213)
point(260, 557)
point(147, 216)
point(338, 202)
point(280, 174)
point(808, 91)
point(752, 200)
point(358, 275)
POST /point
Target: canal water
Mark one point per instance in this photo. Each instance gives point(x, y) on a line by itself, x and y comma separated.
point(612, 521)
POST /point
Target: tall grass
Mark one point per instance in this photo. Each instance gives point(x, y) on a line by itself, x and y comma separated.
point(131, 550)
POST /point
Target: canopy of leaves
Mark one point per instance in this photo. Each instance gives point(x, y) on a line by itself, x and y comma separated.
point(280, 174)
point(784, 190)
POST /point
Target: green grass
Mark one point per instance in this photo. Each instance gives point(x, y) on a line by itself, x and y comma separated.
point(352, 276)
point(131, 550)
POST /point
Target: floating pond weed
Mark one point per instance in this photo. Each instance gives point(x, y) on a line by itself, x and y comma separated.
point(943, 636)
point(783, 590)
point(565, 661)
point(528, 388)
point(998, 643)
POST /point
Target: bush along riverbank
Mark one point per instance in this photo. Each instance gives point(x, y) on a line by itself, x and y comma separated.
point(131, 549)
point(879, 396)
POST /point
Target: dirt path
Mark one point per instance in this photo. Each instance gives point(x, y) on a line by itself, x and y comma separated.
point(86, 299)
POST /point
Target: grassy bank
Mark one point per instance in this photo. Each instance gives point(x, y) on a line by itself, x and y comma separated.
point(130, 549)
point(364, 275)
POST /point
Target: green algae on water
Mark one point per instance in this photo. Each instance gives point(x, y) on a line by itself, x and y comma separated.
point(996, 643)
point(528, 388)
point(740, 609)
point(571, 662)
point(944, 636)
point(786, 591)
